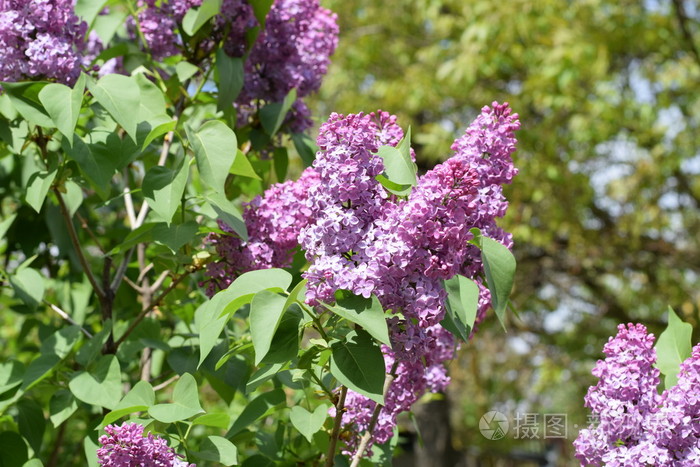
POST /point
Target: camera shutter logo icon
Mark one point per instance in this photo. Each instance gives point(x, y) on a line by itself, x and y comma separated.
point(494, 425)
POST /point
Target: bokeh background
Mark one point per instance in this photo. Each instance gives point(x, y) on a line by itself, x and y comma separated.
point(605, 210)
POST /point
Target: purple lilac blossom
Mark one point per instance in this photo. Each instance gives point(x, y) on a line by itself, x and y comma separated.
point(365, 241)
point(345, 205)
point(293, 52)
point(41, 39)
point(125, 446)
point(637, 426)
point(273, 221)
point(358, 237)
point(159, 25)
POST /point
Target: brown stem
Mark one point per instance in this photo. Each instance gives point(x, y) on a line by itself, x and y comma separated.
point(375, 416)
point(154, 304)
point(76, 245)
point(53, 458)
point(339, 409)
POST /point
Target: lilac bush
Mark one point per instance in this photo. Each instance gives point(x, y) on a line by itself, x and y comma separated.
point(125, 446)
point(40, 39)
point(635, 425)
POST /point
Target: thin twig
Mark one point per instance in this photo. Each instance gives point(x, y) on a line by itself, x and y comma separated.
point(375, 416)
point(154, 304)
point(339, 409)
point(76, 245)
point(86, 227)
point(166, 383)
point(121, 271)
point(156, 285)
point(67, 317)
point(129, 204)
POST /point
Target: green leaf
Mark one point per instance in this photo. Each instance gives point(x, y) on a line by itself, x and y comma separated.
point(241, 166)
point(285, 342)
point(499, 267)
point(14, 451)
point(394, 188)
point(152, 100)
point(92, 349)
point(673, 347)
point(306, 148)
point(228, 213)
point(266, 311)
point(263, 374)
point(215, 146)
point(89, 9)
point(217, 420)
point(229, 77)
point(159, 126)
point(63, 105)
point(101, 386)
point(398, 166)
point(272, 115)
point(139, 399)
point(244, 288)
point(61, 406)
point(173, 236)
point(97, 166)
point(120, 96)
point(462, 305)
point(29, 287)
point(25, 99)
point(195, 18)
point(260, 9)
point(6, 224)
point(258, 408)
point(367, 312)
point(218, 449)
point(73, 196)
point(211, 317)
point(358, 363)
point(185, 71)
point(185, 402)
point(38, 187)
point(61, 342)
point(31, 421)
point(308, 423)
point(163, 188)
point(39, 369)
point(11, 374)
point(280, 159)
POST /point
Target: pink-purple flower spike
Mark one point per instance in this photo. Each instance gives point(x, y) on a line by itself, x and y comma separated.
point(358, 237)
point(637, 427)
point(125, 446)
point(40, 39)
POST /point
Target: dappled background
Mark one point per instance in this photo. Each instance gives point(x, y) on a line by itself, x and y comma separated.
point(604, 211)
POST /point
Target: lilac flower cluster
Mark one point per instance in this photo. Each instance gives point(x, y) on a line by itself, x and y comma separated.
point(125, 446)
point(273, 223)
point(291, 52)
point(368, 242)
point(159, 24)
point(637, 427)
point(40, 39)
point(358, 237)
